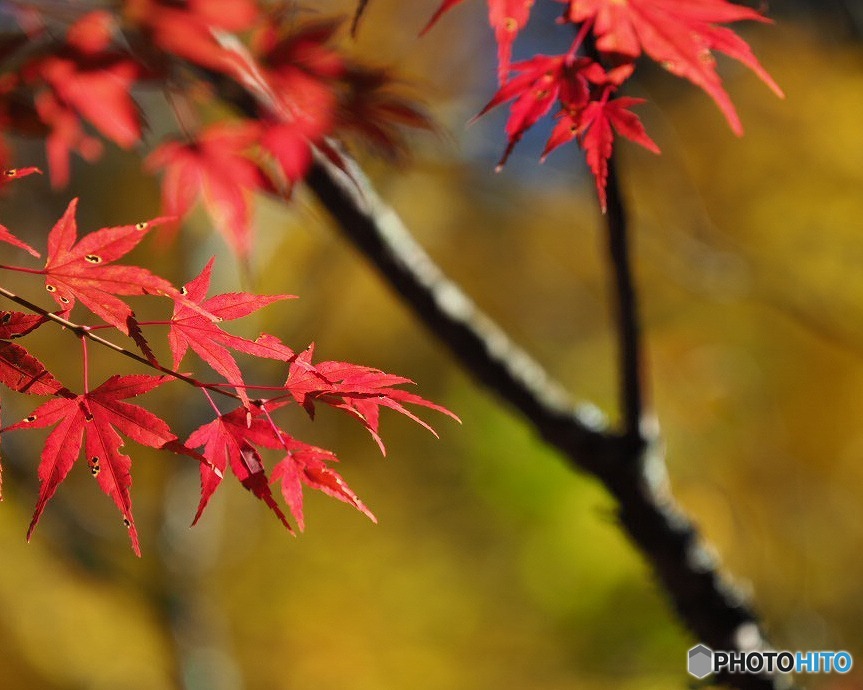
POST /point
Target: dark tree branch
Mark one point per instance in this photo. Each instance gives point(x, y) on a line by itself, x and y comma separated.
point(647, 510)
point(710, 606)
point(626, 308)
point(477, 342)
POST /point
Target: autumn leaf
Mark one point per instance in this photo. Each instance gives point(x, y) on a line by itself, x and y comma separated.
point(19, 370)
point(92, 33)
point(5, 234)
point(92, 81)
point(360, 391)
point(536, 87)
point(581, 88)
point(66, 135)
point(308, 465)
point(679, 36)
point(230, 440)
point(372, 106)
point(15, 324)
point(100, 92)
point(304, 75)
point(92, 421)
point(233, 440)
point(507, 18)
point(291, 148)
point(17, 173)
point(215, 167)
point(191, 30)
point(22, 372)
point(84, 269)
point(191, 328)
point(595, 126)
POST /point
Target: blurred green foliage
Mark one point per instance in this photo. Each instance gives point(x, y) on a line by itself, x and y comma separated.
point(493, 566)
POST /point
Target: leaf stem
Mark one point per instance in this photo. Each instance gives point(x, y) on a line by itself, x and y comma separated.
point(702, 595)
point(626, 303)
point(23, 269)
point(278, 432)
point(579, 38)
point(211, 401)
point(86, 364)
point(82, 331)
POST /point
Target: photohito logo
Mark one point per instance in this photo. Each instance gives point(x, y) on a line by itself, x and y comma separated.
point(701, 661)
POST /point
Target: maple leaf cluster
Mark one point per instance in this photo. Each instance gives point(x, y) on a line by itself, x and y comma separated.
point(72, 82)
point(579, 87)
point(71, 74)
point(85, 270)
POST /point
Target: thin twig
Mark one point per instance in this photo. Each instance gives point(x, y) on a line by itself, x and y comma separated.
point(82, 331)
point(358, 13)
point(481, 345)
point(626, 311)
point(714, 609)
point(711, 607)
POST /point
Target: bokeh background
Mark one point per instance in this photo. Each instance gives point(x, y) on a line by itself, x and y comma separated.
point(493, 566)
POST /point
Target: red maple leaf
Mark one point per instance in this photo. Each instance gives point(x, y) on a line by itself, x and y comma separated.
point(593, 125)
point(190, 30)
point(17, 173)
point(372, 106)
point(22, 372)
point(307, 465)
point(83, 269)
point(679, 36)
point(191, 327)
point(92, 33)
point(358, 390)
point(5, 234)
point(582, 89)
point(98, 89)
point(92, 420)
point(86, 79)
point(66, 135)
point(303, 74)
point(19, 370)
point(535, 88)
point(14, 324)
point(302, 70)
point(230, 440)
point(507, 18)
point(291, 147)
point(217, 168)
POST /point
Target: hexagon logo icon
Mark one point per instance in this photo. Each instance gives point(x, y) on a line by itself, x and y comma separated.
point(700, 661)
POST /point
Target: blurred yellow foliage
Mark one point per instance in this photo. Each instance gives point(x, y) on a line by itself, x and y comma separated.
point(494, 566)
